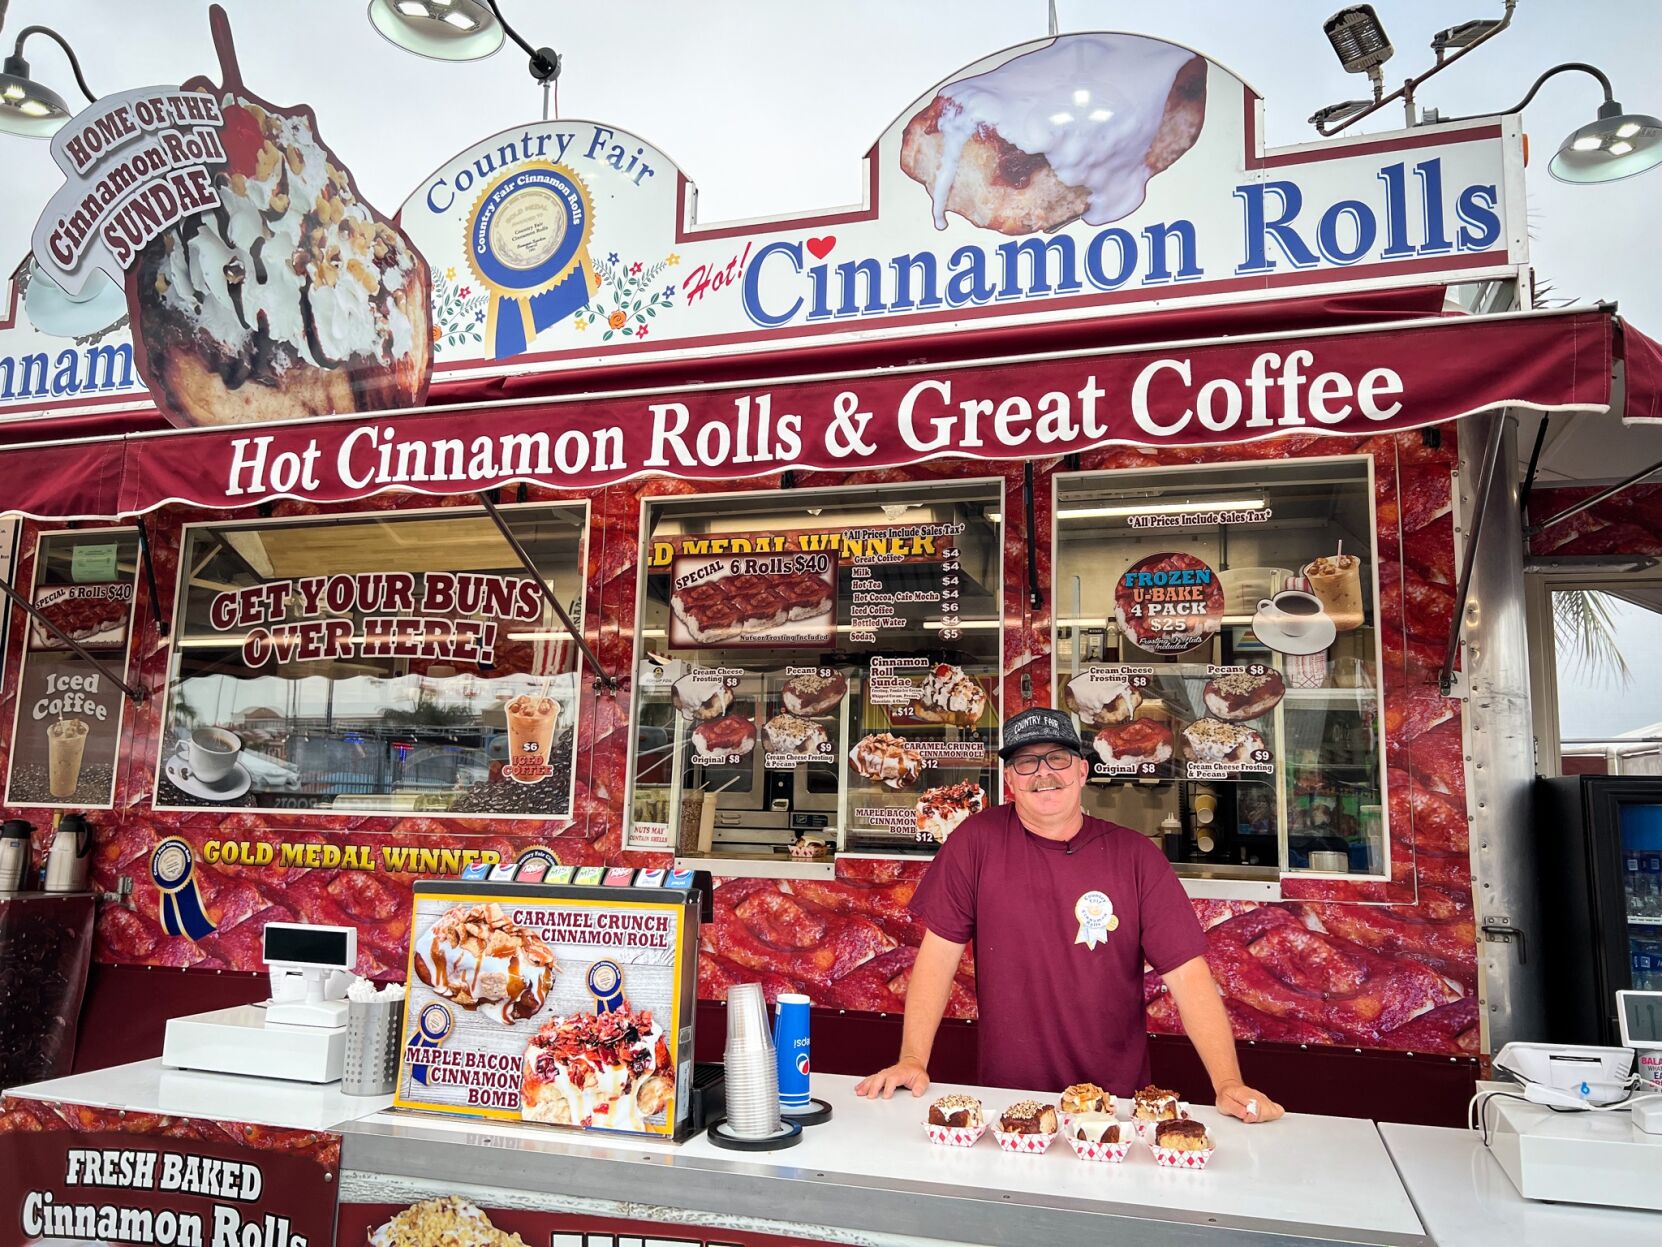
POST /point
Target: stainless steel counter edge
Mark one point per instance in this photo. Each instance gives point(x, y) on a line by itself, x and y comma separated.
point(775, 1190)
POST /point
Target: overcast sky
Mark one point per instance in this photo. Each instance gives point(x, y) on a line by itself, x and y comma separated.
point(769, 104)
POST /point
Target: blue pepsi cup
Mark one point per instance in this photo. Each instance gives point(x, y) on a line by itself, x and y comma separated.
point(790, 1042)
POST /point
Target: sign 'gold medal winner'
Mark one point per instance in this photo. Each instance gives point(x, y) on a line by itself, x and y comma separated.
point(528, 244)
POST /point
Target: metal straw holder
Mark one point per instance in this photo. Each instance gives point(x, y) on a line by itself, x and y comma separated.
point(373, 1028)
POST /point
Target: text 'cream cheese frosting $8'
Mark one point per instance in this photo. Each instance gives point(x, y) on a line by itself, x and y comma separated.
point(269, 215)
point(1089, 104)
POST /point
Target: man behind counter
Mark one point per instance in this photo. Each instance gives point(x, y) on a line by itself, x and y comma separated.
point(1064, 910)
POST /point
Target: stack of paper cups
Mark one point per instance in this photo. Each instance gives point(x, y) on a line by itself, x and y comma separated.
point(752, 1076)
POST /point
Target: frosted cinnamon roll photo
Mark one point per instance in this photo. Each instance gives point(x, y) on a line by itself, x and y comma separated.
point(1072, 130)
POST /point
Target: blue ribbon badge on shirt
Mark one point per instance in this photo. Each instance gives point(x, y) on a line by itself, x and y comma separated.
point(528, 244)
point(432, 1028)
point(1096, 918)
point(173, 871)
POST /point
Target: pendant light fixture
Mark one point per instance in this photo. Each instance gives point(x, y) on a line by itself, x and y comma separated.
point(445, 30)
point(457, 30)
point(27, 107)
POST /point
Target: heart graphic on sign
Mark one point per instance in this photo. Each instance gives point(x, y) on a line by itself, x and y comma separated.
point(821, 247)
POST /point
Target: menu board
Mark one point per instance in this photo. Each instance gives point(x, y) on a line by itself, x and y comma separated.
point(553, 1005)
point(1217, 643)
point(750, 599)
point(67, 728)
point(827, 685)
point(1177, 723)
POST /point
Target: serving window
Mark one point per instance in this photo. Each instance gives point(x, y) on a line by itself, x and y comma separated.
point(1217, 641)
point(818, 670)
point(377, 664)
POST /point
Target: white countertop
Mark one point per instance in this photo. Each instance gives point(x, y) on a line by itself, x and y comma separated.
point(1466, 1200)
point(150, 1087)
point(1302, 1175)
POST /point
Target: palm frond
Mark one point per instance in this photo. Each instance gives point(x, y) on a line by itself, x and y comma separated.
point(1584, 626)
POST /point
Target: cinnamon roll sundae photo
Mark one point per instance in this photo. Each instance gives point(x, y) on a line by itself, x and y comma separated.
point(478, 957)
point(950, 695)
point(292, 298)
point(1071, 130)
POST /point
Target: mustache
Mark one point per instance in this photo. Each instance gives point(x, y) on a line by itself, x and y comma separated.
point(1046, 784)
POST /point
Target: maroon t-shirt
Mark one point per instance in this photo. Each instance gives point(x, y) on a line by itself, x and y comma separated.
point(1058, 973)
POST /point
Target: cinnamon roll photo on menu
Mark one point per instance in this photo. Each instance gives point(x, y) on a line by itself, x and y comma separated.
point(479, 958)
point(1070, 131)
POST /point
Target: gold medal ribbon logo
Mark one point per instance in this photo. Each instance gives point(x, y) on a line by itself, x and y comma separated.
point(528, 244)
point(173, 871)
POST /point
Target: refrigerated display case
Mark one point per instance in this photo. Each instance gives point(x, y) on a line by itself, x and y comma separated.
point(1599, 873)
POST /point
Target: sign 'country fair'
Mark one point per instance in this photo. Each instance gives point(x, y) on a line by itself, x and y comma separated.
point(1093, 174)
point(1084, 175)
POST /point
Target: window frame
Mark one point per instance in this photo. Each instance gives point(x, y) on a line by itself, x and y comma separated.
point(175, 657)
point(735, 866)
point(1201, 878)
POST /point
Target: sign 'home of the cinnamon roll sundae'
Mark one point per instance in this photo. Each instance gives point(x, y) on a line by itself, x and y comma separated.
point(137, 163)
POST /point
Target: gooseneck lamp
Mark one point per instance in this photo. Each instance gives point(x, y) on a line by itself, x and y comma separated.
point(27, 107)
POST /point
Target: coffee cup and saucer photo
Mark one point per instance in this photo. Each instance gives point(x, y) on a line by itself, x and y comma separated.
point(206, 765)
point(1294, 622)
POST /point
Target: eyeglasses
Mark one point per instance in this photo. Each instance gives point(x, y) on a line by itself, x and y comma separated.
point(1056, 760)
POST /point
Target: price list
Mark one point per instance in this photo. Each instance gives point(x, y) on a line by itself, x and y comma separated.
point(950, 577)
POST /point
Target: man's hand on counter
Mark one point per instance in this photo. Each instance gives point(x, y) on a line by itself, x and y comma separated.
point(1239, 1100)
point(903, 1073)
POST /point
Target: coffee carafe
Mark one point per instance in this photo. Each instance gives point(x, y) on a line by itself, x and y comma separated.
point(16, 855)
point(69, 861)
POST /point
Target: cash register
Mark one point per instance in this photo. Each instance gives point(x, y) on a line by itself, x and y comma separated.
point(299, 1034)
point(1582, 1124)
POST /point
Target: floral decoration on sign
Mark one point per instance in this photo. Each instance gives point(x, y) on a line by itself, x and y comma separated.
point(458, 312)
point(624, 301)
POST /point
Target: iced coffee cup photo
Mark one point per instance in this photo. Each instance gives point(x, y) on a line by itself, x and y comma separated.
point(1336, 579)
point(66, 743)
point(531, 723)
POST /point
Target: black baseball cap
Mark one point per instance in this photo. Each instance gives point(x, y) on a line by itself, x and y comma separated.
point(1039, 726)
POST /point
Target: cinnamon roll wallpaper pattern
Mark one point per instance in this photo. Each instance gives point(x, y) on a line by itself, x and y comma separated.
point(1398, 974)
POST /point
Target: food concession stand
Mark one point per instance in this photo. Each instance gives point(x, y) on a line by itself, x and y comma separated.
point(728, 547)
